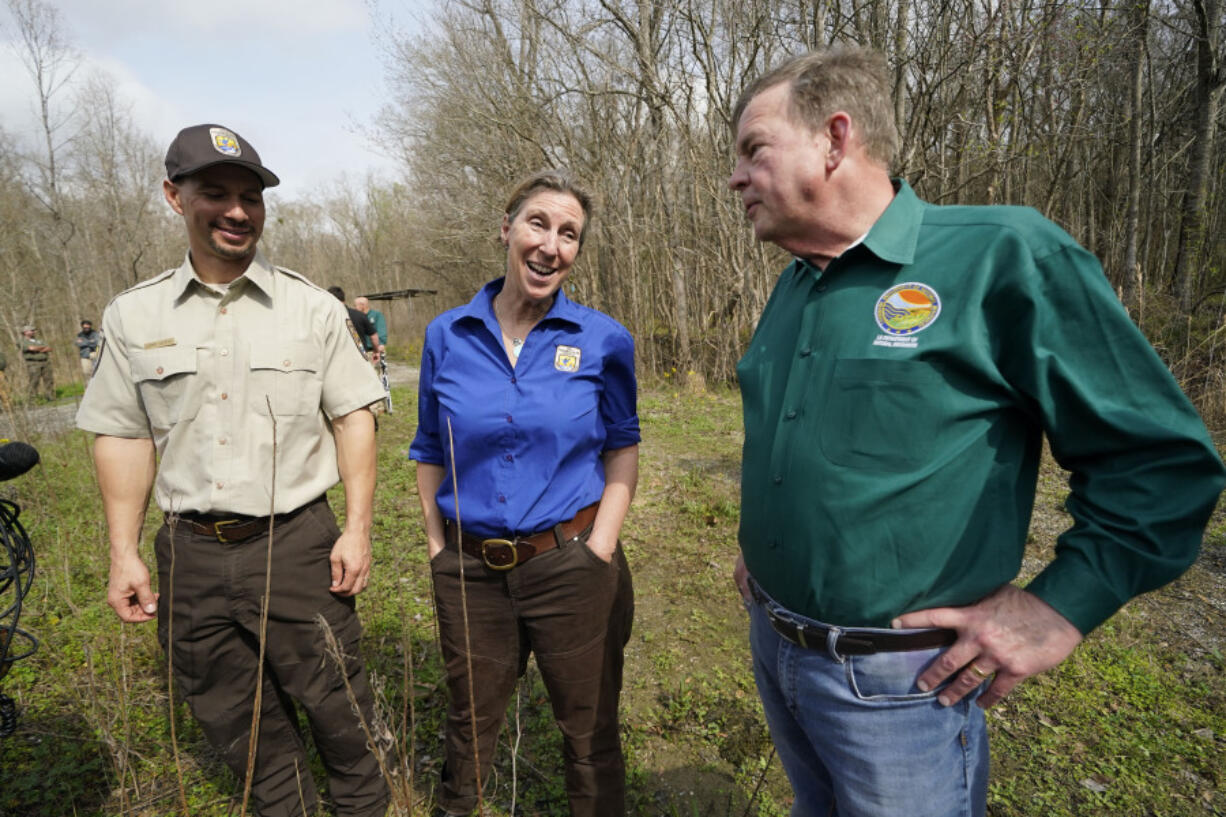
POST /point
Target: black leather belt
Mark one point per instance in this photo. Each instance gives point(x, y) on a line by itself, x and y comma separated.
point(230, 529)
point(816, 636)
point(505, 553)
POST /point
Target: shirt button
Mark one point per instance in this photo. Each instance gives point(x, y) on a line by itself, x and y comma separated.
point(160, 369)
point(219, 485)
point(508, 418)
point(791, 415)
point(821, 287)
point(223, 310)
point(225, 396)
point(509, 457)
point(778, 479)
point(285, 363)
point(225, 352)
point(513, 380)
point(502, 498)
point(222, 441)
point(805, 352)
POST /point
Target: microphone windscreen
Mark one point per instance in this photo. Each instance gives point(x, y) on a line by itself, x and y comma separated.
point(16, 459)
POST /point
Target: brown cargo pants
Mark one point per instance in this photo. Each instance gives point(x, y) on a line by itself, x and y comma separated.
point(216, 606)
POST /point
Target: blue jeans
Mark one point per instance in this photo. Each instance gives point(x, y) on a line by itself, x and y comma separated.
point(856, 736)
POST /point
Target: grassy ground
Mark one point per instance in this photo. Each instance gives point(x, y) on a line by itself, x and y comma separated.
point(1134, 724)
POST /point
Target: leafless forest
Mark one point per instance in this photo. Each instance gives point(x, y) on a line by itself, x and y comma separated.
point(1104, 116)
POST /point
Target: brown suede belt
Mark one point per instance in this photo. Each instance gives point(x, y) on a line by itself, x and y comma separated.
point(506, 553)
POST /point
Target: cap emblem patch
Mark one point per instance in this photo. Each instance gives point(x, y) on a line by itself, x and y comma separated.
point(906, 309)
point(225, 142)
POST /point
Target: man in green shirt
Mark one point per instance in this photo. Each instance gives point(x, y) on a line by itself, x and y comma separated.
point(896, 395)
point(362, 304)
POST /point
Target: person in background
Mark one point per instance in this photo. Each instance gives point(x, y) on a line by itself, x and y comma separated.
point(37, 356)
point(897, 391)
point(528, 436)
point(361, 326)
point(203, 365)
point(88, 340)
point(362, 303)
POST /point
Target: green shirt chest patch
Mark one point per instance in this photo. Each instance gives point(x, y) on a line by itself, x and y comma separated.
point(903, 311)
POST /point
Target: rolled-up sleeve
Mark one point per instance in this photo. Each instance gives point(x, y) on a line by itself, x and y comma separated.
point(619, 398)
point(426, 446)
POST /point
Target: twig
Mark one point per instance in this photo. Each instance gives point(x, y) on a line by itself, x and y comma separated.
point(761, 779)
point(408, 709)
point(333, 649)
point(253, 741)
point(468, 653)
point(172, 522)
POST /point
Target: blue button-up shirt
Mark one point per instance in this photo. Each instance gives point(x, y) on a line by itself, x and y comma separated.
point(527, 439)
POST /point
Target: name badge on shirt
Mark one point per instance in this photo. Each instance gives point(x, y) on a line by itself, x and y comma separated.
point(566, 359)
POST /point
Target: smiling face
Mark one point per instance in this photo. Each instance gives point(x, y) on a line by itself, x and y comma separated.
point(223, 208)
point(542, 242)
point(780, 170)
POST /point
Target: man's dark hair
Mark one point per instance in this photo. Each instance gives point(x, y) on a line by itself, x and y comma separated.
point(338, 292)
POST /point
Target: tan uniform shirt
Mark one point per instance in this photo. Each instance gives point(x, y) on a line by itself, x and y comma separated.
point(197, 368)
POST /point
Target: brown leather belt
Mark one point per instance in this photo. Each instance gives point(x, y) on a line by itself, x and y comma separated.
point(230, 529)
point(505, 553)
point(857, 642)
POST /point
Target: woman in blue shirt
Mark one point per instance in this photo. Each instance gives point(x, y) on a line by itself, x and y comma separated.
point(527, 459)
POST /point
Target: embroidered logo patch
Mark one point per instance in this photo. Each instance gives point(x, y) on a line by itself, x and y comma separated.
point(566, 359)
point(225, 141)
point(906, 309)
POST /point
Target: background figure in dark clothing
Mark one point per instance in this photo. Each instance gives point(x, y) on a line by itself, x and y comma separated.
point(366, 335)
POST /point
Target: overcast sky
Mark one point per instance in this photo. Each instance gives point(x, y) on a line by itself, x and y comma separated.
point(299, 79)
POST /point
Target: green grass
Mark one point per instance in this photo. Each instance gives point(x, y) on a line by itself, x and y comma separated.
point(1133, 724)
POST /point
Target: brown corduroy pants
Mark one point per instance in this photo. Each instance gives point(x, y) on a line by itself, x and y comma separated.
point(574, 612)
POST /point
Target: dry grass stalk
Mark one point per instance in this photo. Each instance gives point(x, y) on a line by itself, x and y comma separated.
point(253, 741)
point(468, 653)
point(333, 649)
point(172, 522)
point(408, 713)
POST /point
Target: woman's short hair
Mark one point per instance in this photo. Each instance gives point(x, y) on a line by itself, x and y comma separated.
point(558, 180)
point(840, 78)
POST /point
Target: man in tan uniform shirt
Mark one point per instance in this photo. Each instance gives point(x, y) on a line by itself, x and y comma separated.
point(204, 363)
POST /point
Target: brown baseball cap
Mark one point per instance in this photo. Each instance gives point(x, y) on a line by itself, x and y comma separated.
point(202, 146)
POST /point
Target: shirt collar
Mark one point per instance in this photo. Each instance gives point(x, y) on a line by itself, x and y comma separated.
point(895, 233)
point(259, 272)
point(481, 307)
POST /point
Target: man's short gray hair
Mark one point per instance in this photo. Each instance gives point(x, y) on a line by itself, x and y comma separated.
point(840, 78)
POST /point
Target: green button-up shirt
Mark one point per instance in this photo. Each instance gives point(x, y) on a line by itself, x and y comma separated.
point(895, 406)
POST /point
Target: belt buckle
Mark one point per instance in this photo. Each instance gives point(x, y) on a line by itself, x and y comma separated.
point(217, 526)
point(507, 543)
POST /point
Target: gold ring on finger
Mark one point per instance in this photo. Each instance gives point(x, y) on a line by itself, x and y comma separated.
point(983, 676)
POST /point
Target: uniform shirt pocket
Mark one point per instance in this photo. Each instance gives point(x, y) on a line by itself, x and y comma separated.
point(166, 379)
point(289, 374)
point(878, 414)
